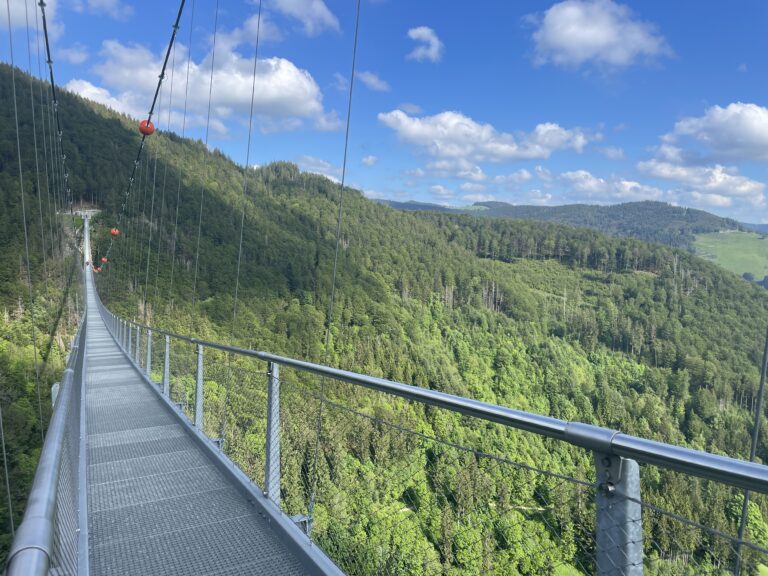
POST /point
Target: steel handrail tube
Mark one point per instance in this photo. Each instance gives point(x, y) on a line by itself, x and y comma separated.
point(731, 471)
point(32, 547)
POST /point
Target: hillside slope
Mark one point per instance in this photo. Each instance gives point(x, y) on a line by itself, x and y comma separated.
point(51, 322)
point(650, 221)
point(544, 317)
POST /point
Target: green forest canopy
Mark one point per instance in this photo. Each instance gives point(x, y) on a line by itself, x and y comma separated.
point(557, 320)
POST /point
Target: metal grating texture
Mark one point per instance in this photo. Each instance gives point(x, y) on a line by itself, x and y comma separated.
point(157, 503)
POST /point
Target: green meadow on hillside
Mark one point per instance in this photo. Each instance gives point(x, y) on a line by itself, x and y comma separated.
point(736, 251)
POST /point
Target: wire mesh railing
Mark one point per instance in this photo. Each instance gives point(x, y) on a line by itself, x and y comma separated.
point(388, 478)
point(48, 539)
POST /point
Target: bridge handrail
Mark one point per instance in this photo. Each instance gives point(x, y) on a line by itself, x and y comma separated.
point(731, 471)
point(32, 549)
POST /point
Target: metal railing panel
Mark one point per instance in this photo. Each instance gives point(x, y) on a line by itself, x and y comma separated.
point(48, 537)
point(597, 516)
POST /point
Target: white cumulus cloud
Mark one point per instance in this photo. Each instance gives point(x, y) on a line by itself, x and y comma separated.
point(702, 182)
point(75, 54)
point(369, 160)
point(441, 191)
point(430, 47)
point(373, 82)
point(314, 15)
point(603, 32)
point(286, 96)
point(116, 9)
point(479, 197)
point(318, 166)
point(23, 12)
point(588, 186)
point(738, 131)
point(102, 96)
point(612, 152)
point(452, 135)
point(514, 179)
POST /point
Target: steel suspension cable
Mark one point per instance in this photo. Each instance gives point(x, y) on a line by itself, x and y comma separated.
point(44, 110)
point(246, 169)
point(161, 77)
point(62, 164)
point(329, 321)
point(165, 177)
point(205, 156)
point(24, 222)
point(151, 219)
point(34, 139)
point(183, 131)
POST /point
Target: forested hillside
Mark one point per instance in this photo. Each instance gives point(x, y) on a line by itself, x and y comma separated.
point(650, 221)
point(543, 317)
point(55, 288)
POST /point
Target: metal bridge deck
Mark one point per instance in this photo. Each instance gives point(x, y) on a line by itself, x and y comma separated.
point(157, 502)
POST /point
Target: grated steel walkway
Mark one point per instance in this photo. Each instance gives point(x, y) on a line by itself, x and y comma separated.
point(157, 502)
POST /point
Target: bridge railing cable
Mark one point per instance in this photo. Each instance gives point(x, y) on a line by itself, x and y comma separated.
point(413, 480)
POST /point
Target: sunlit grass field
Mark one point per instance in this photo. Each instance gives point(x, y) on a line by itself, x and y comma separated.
point(738, 252)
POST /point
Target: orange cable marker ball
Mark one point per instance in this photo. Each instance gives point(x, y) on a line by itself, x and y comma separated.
point(147, 128)
point(114, 231)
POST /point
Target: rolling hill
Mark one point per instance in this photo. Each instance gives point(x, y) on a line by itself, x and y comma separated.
point(650, 221)
point(541, 316)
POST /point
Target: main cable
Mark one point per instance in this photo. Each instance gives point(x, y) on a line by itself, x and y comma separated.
point(44, 123)
point(129, 186)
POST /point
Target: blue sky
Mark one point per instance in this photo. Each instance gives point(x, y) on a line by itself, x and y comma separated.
point(528, 102)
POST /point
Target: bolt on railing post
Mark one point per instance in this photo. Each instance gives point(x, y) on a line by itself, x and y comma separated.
point(167, 366)
point(199, 389)
point(137, 352)
point(272, 465)
point(130, 338)
point(148, 367)
point(619, 537)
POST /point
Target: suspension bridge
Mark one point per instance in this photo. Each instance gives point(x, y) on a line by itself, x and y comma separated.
point(137, 477)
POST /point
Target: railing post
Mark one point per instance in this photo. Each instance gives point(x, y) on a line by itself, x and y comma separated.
point(199, 389)
point(272, 466)
point(137, 352)
point(130, 338)
point(167, 367)
point(619, 529)
point(148, 368)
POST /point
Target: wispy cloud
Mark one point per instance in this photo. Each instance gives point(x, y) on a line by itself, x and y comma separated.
point(430, 48)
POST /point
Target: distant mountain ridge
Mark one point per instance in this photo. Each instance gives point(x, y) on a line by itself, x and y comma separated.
point(761, 228)
point(647, 220)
